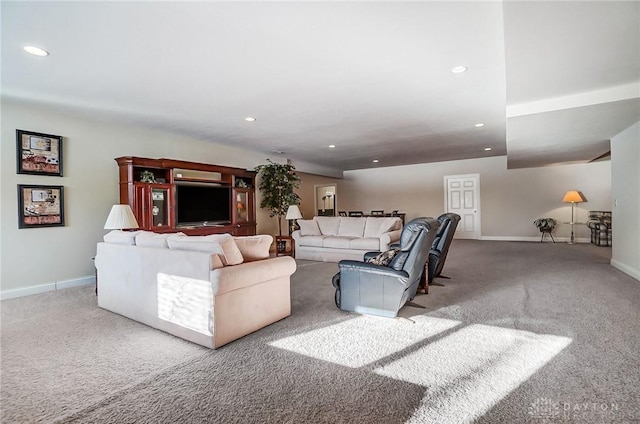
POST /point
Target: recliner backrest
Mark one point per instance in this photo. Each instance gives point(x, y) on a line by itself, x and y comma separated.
point(440, 248)
point(415, 242)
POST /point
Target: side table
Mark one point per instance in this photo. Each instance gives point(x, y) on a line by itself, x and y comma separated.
point(288, 249)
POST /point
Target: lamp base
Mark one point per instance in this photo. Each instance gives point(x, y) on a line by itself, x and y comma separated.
point(293, 225)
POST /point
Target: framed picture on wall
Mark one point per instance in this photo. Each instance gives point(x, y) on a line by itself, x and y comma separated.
point(40, 206)
point(38, 153)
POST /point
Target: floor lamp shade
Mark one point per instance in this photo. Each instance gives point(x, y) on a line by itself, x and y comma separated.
point(121, 217)
point(574, 196)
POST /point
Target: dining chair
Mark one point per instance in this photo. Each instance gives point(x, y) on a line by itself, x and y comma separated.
point(377, 213)
point(356, 213)
point(342, 213)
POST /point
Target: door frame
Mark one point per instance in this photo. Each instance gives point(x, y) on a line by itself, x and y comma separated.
point(315, 197)
point(478, 215)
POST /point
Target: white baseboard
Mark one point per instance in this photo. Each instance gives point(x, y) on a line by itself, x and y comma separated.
point(626, 269)
point(43, 288)
point(546, 239)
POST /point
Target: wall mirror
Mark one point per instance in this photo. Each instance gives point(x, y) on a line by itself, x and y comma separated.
point(325, 200)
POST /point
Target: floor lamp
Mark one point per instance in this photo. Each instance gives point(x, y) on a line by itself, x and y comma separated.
point(573, 197)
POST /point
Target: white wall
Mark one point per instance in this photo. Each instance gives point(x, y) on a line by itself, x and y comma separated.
point(625, 179)
point(43, 256)
point(510, 199)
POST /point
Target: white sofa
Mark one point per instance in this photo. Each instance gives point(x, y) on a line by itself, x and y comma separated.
point(333, 238)
point(210, 290)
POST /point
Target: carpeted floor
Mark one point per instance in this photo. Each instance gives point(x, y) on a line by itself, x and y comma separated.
point(522, 332)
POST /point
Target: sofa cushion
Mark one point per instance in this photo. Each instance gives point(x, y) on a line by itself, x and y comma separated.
point(351, 227)
point(254, 248)
point(328, 224)
point(337, 242)
point(151, 239)
point(121, 237)
point(223, 244)
point(309, 227)
point(368, 244)
point(375, 227)
point(312, 241)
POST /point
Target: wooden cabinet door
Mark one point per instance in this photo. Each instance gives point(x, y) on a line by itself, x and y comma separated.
point(160, 206)
point(140, 204)
point(244, 214)
point(153, 205)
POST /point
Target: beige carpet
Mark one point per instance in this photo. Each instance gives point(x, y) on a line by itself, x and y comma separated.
point(522, 332)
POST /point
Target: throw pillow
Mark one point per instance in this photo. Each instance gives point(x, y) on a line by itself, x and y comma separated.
point(121, 237)
point(309, 227)
point(254, 248)
point(384, 258)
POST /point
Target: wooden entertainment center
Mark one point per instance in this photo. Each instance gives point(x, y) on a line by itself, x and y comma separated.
point(215, 199)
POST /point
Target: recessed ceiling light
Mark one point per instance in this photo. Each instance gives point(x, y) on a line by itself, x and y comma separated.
point(376, 161)
point(458, 69)
point(249, 119)
point(278, 152)
point(332, 146)
point(480, 125)
point(36, 51)
point(486, 149)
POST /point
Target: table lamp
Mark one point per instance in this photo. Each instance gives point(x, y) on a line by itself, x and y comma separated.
point(293, 213)
point(121, 217)
point(573, 197)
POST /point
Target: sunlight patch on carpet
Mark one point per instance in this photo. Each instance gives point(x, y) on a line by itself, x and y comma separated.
point(470, 370)
point(365, 339)
point(186, 302)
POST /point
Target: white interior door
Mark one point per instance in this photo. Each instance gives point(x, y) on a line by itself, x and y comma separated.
point(462, 196)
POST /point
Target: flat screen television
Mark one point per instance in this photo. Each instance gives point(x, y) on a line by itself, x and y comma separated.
point(199, 205)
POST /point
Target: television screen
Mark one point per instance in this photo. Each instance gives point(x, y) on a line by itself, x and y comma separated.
point(203, 204)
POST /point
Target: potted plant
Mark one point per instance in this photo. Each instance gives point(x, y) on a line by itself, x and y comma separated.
point(277, 182)
point(545, 225)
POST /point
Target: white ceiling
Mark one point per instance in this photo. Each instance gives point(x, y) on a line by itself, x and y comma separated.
point(552, 81)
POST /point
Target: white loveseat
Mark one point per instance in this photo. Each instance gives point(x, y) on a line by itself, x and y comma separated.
point(333, 238)
point(210, 290)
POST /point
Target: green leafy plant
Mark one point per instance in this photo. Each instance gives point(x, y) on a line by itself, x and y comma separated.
point(545, 224)
point(147, 176)
point(277, 182)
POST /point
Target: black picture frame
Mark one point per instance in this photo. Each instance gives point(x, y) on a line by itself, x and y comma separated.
point(38, 153)
point(40, 206)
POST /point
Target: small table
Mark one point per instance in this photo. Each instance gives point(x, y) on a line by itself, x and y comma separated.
point(289, 246)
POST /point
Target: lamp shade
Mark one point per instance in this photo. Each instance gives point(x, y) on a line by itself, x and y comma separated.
point(120, 217)
point(574, 196)
point(293, 212)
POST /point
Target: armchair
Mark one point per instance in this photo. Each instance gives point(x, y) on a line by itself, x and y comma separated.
point(382, 290)
point(600, 225)
point(441, 243)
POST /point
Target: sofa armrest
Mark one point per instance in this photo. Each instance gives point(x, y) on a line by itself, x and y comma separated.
point(236, 277)
point(388, 238)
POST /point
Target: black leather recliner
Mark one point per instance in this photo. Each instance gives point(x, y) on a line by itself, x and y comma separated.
point(441, 243)
point(382, 290)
